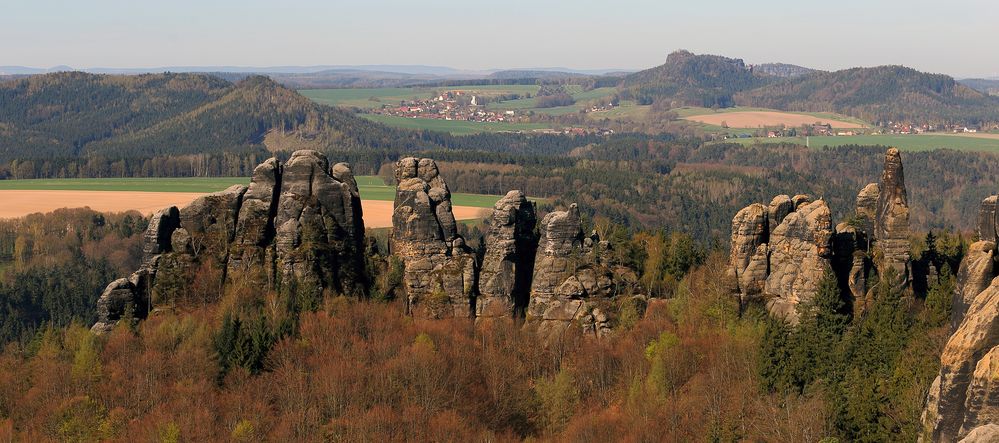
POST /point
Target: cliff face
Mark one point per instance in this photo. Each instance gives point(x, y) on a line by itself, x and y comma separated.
point(963, 401)
point(298, 228)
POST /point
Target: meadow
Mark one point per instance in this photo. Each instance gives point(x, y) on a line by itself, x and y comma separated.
point(923, 142)
point(371, 187)
point(370, 98)
point(367, 98)
point(455, 127)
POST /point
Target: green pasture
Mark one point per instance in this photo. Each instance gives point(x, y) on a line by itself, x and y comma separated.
point(453, 126)
point(922, 142)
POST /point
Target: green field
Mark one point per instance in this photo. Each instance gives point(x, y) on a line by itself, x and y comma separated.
point(367, 98)
point(453, 126)
point(371, 187)
point(904, 142)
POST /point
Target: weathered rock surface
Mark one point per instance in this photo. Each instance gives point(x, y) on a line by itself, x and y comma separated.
point(573, 283)
point(782, 263)
point(508, 265)
point(964, 397)
point(252, 243)
point(867, 208)
point(987, 219)
point(973, 275)
point(779, 208)
point(748, 256)
point(319, 237)
point(299, 226)
point(891, 224)
point(983, 434)
point(800, 253)
point(440, 272)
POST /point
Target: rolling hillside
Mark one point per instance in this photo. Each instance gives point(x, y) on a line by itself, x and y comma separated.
point(880, 94)
point(687, 79)
point(69, 115)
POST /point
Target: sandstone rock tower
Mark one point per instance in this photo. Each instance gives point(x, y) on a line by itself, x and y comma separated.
point(440, 271)
point(507, 268)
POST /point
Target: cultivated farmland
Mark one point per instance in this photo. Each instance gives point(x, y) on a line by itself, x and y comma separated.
point(147, 195)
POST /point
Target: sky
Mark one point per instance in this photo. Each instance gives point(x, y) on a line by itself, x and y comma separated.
point(956, 37)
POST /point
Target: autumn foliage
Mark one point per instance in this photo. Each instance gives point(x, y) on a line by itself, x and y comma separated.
point(363, 371)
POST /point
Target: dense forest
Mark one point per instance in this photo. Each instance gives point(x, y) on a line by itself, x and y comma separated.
point(882, 94)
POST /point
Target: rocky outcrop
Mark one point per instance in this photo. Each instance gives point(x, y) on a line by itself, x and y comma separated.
point(573, 282)
point(800, 255)
point(440, 271)
point(749, 254)
point(973, 275)
point(963, 402)
point(508, 265)
point(297, 226)
point(964, 395)
point(891, 223)
point(867, 209)
point(780, 252)
point(319, 238)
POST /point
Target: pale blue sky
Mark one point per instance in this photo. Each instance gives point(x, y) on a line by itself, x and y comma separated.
point(957, 37)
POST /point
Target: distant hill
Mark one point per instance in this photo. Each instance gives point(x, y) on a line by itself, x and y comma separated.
point(783, 70)
point(880, 94)
point(687, 79)
point(75, 114)
point(983, 85)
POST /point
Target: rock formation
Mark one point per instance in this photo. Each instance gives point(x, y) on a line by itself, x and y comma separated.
point(572, 281)
point(891, 223)
point(963, 402)
point(781, 251)
point(965, 394)
point(507, 268)
point(780, 254)
point(800, 255)
point(749, 253)
point(439, 269)
point(298, 226)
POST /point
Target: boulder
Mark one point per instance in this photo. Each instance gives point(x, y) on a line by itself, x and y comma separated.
point(113, 304)
point(255, 223)
point(780, 206)
point(210, 221)
point(156, 239)
point(505, 277)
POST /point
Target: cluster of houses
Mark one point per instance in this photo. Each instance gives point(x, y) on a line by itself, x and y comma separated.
point(908, 128)
point(449, 105)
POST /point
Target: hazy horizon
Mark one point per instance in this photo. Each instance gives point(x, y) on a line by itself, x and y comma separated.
point(630, 35)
